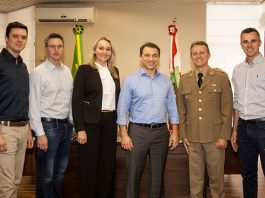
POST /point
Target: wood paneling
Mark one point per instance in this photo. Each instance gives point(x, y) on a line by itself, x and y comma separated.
point(176, 175)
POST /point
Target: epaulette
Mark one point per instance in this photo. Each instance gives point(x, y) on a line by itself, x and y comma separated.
point(188, 73)
point(216, 69)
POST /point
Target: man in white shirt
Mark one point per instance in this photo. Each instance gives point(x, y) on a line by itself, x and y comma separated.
point(248, 137)
point(51, 86)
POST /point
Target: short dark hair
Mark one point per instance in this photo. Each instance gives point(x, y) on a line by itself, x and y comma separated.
point(249, 30)
point(151, 45)
point(200, 43)
point(15, 24)
point(51, 36)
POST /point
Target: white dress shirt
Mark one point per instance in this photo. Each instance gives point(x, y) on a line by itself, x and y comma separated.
point(249, 88)
point(50, 94)
point(108, 99)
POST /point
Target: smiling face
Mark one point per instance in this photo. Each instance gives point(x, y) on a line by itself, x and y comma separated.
point(103, 52)
point(149, 59)
point(250, 43)
point(16, 41)
point(200, 56)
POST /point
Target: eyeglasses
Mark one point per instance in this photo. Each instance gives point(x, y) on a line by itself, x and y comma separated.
point(55, 46)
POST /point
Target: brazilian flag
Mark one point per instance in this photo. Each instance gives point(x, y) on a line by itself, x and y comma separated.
point(78, 53)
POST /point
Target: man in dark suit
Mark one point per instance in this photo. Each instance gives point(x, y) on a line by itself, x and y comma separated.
point(205, 110)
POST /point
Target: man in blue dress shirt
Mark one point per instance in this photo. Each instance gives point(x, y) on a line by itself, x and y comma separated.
point(148, 97)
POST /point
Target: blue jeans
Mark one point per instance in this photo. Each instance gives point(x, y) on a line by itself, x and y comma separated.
point(53, 163)
point(251, 144)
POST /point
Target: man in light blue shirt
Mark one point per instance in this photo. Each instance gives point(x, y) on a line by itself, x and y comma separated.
point(147, 98)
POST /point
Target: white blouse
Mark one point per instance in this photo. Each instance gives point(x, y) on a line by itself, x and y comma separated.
point(108, 99)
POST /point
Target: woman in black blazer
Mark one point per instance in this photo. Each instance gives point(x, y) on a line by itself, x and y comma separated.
point(95, 96)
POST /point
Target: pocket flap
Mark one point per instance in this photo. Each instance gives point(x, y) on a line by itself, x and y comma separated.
point(214, 89)
point(186, 90)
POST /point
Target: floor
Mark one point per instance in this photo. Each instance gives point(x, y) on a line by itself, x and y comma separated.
point(233, 187)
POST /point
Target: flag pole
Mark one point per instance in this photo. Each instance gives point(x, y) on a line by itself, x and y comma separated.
point(175, 21)
point(174, 66)
point(78, 50)
point(174, 59)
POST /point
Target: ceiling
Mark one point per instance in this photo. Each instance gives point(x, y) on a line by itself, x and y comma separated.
point(11, 5)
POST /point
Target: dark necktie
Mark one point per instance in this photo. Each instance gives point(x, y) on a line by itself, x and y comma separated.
point(200, 75)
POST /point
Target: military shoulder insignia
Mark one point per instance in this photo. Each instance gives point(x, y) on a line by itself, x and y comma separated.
point(187, 74)
point(219, 70)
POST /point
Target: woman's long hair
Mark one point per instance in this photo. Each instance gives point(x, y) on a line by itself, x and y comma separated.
point(110, 62)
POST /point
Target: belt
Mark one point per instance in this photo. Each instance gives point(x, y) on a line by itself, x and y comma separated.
point(14, 123)
point(107, 111)
point(55, 120)
point(253, 121)
point(152, 126)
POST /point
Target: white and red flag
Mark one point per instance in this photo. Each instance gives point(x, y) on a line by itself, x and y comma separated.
point(174, 66)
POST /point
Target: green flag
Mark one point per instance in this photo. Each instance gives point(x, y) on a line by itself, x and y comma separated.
point(78, 52)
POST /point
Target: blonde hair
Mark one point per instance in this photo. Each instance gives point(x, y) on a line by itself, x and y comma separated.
point(110, 62)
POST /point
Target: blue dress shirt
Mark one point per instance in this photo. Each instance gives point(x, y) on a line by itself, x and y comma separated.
point(147, 100)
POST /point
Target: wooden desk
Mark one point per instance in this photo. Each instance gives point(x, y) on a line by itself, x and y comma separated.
point(176, 174)
point(232, 165)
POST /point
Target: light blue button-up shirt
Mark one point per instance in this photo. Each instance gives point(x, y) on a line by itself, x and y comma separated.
point(147, 100)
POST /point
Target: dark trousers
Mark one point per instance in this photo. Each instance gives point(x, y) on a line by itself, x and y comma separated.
point(152, 142)
point(97, 158)
point(251, 144)
point(53, 163)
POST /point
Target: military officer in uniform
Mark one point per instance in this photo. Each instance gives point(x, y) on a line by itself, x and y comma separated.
point(205, 111)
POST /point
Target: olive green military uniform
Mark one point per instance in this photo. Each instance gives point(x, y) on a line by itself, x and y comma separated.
point(205, 116)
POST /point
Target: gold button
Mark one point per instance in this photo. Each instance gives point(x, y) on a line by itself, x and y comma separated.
point(214, 90)
point(200, 92)
point(200, 118)
point(200, 109)
point(200, 100)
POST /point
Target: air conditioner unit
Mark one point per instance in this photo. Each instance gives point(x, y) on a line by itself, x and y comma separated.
point(65, 14)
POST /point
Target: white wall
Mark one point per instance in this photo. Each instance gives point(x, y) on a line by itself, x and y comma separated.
point(3, 19)
point(223, 27)
point(129, 25)
point(27, 17)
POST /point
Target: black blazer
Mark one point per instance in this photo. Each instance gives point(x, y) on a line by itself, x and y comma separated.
point(87, 96)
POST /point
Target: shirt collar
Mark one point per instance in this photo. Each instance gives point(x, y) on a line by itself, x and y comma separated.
point(51, 66)
point(256, 60)
point(9, 57)
point(204, 73)
point(100, 66)
point(143, 73)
